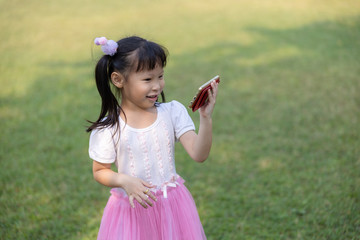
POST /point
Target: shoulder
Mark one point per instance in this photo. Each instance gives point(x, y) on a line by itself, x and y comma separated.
point(172, 106)
point(102, 145)
point(107, 132)
point(178, 116)
point(105, 126)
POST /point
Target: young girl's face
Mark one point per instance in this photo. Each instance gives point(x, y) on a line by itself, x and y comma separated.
point(142, 89)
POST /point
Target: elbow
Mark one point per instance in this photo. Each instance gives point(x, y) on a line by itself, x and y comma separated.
point(95, 176)
point(200, 159)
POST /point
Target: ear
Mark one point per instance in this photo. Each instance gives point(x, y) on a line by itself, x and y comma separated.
point(117, 79)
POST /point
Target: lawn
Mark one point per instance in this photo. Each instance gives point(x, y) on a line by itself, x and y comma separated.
point(285, 162)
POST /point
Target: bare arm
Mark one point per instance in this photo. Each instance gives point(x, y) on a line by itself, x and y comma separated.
point(198, 145)
point(134, 187)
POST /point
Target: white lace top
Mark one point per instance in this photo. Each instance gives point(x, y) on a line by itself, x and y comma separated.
point(146, 153)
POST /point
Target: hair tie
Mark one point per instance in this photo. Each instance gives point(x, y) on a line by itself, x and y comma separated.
point(109, 47)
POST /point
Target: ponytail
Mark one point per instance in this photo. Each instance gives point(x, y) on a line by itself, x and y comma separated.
point(109, 104)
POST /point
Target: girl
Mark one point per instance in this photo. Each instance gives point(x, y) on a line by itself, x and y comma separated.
point(148, 199)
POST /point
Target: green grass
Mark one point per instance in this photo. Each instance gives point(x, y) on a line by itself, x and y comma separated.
point(285, 162)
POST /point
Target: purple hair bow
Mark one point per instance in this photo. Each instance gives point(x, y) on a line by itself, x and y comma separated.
point(109, 47)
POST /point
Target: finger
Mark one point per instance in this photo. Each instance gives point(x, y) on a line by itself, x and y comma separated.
point(211, 97)
point(214, 86)
point(149, 194)
point(131, 201)
point(146, 199)
point(152, 196)
point(146, 184)
point(214, 89)
point(139, 200)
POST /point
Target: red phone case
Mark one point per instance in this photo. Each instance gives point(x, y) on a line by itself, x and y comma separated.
point(202, 94)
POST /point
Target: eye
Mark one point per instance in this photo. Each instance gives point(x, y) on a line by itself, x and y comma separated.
point(147, 79)
point(161, 76)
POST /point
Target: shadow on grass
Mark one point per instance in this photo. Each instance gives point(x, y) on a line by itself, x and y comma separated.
point(286, 134)
point(285, 157)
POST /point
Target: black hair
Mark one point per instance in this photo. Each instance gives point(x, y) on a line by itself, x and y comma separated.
point(133, 54)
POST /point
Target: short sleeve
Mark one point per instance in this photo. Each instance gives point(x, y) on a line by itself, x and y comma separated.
point(102, 146)
point(181, 120)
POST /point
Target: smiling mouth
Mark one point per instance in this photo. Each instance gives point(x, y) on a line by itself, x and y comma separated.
point(152, 96)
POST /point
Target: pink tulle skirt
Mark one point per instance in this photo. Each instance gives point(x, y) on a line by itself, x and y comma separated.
point(171, 218)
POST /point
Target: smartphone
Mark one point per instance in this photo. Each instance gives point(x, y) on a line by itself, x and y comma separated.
point(202, 94)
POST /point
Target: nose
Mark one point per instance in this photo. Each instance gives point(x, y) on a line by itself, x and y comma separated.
point(156, 86)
